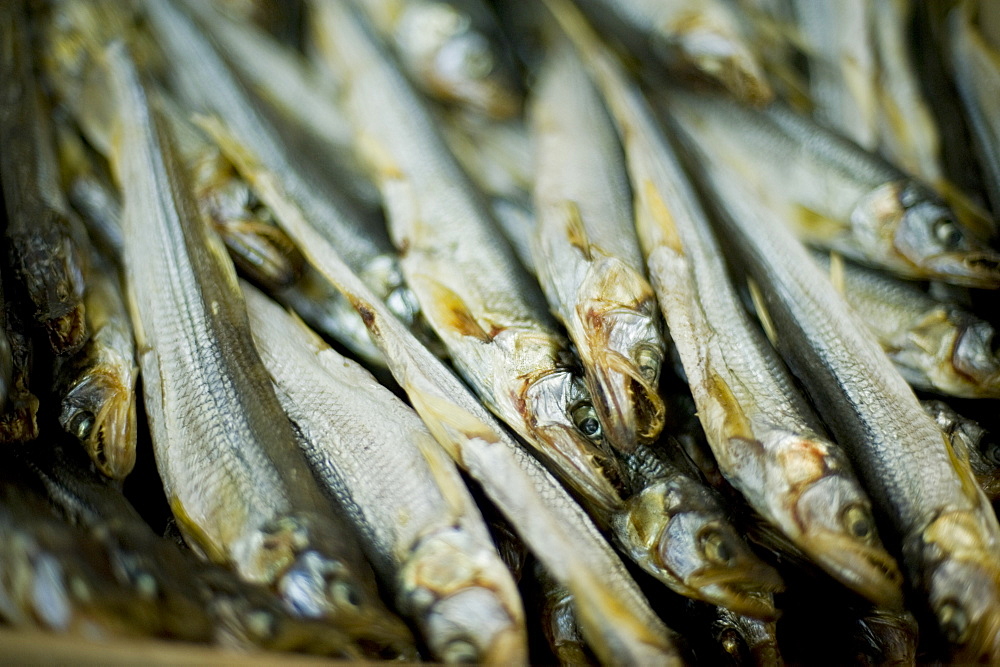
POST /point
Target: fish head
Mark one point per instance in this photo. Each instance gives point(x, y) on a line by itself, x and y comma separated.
point(563, 419)
point(708, 41)
point(746, 640)
point(917, 228)
point(457, 60)
point(962, 575)
point(466, 604)
point(622, 363)
point(261, 249)
point(300, 554)
point(838, 532)
point(100, 411)
point(687, 543)
point(976, 355)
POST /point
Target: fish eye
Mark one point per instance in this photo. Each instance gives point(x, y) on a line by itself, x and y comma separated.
point(947, 233)
point(585, 419)
point(731, 642)
point(993, 453)
point(82, 424)
point(713, 545)
point(954, 621)
point(460, 651)
point(858, 522)
point(345, 595)
point(648, 361)
point(478, 62)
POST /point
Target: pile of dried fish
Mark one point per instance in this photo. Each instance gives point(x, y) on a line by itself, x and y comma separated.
point(462, 330)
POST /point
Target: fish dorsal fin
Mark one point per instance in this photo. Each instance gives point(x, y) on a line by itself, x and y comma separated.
point(762, 313)
point(837, 275)
point(735, 423)
point(447, 308)
point(378, 158)
point(576, 233)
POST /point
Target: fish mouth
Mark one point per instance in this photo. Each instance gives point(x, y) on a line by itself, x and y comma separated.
point(582, 465)
point(629, 407)
point(868, 570)
point(747, 591)
point(101, 412)
point(968, 269)
point(472, 626)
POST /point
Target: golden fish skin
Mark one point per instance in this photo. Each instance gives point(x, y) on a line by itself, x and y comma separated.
point(235, 480)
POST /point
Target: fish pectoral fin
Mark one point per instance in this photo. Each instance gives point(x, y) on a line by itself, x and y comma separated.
point(837, 275)
point(735, 423)
point(660, 214)
point(576, 233)
point(448, 422)
point(814, 226)
point(448, 308)
point(447, 480)
point(762, 313)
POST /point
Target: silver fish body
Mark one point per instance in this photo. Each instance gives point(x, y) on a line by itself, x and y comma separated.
point(586, 254)
point(479, 301)
point(615, 618)
point(837, 196)
point(948, 531)
point(768, 443)
point(422, 528)
point(452, 49)
point(236, 483)
point(204, 81)
point(937, 346)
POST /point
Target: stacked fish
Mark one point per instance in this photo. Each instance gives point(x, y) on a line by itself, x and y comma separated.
point(470, 334)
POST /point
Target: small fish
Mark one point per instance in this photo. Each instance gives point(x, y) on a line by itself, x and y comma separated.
point(201, 80)
point(586, 254)
point(19, 414)
point(484, 307)
point(422, 529)
point(975, 67)
point(196, 601)
point(767, 441)
point(703, 36)
point(970, 441)
point(678, 530)
point(559, 623)
point(746, 640)
point(96, 385)
point(886, 638)
point(614, 616)
point(922, 489)
point(239, 488)
point(937, 346)
point(452, 49)
point(835, 195)
point(41, 229)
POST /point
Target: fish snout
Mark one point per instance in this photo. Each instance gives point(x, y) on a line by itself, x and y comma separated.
point(472, 626)
point(629, 406)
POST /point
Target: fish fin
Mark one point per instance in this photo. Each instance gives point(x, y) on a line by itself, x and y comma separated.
point(660, 214)
point(735, 423)
point(378, 158)
point(445, 477)
point(448, 308)
point(972, 217)
point(195, 536)
point(449, 422)
point(816, 226)
point(762, 313)
point(576, 233)
point(837, 276)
